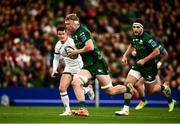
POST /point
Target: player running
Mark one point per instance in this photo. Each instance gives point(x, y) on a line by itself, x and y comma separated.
point(94, 64)
point(72, 66)
point(148, 88)
point(146, 66)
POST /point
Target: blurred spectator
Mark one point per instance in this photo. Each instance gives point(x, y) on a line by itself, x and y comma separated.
point(28, 28)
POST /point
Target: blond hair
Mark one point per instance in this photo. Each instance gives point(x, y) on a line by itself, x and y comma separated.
point(72, 16)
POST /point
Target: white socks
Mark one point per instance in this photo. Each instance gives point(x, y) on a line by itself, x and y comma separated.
point(86, 89)
point(65, 100)
point(126, 107)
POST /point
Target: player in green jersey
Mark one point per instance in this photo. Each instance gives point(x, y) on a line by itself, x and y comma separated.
point(147, 49)
point(94, 64)
point(140, 84)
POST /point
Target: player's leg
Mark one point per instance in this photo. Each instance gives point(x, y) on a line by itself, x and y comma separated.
point(167, 93)
point(132, 78)
point(141, 89)
point(78, 81)
point(100, 70)
point(149, 76)
point(89, 91)
point(65, 80)
point(163, 89)
point(106, 84)
point(149, 88)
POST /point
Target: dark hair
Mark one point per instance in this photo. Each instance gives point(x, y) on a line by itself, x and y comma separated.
point(62, 27)
point(138, 20)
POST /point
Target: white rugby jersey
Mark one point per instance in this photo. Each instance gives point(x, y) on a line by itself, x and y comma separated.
point(71, 64)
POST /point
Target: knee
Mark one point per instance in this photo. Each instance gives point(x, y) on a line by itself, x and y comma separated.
point(79, 80)
point(75, 83)
point(62, 88)
point(110, 91)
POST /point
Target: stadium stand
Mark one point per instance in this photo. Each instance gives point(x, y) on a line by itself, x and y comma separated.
point(28, 36)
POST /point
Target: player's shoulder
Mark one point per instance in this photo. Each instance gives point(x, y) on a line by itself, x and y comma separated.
point(70, 41)
point(58, 44)
point(147, 36)
point(84, 28)
point(132, 37)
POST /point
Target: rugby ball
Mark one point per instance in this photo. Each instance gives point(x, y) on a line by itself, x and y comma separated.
point(68, 49)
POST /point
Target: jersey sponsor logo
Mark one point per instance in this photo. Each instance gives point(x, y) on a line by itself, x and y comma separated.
point(83, 37)
point(141, 42)
point(135, 40)
point(75, 37)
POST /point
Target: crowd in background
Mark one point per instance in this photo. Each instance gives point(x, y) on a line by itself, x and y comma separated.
point(28, 35)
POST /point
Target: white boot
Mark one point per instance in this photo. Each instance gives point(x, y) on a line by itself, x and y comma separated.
point(123, 112)
point(66, 113)
point(90, 92)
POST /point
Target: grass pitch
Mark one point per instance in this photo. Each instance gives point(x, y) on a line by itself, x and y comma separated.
point(97, 115)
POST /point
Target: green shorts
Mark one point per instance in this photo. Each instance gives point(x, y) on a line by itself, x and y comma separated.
point(98, 68)
point(148, 72)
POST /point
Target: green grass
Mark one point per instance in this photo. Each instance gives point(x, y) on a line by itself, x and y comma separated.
point(97, 115)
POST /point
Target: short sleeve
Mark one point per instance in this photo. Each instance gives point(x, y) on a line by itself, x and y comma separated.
point(84, 36)
point(57, 48)
point(152, 44)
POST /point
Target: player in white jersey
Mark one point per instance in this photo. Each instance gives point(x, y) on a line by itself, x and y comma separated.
point(72, 66)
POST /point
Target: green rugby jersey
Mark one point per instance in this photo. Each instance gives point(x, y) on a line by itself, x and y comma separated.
point(80, 36)
point(144, 45)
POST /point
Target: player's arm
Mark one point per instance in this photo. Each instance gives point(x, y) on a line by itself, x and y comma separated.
point(56, 59)
point(153, 45)
point(87, 48)
point(88, 45)
point(163, 55)
point(152, 55)
point(128, 51)
point(55, 64)
point(163, 51)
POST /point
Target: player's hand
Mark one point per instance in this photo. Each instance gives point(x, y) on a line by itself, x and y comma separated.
point(124, 60)
point(133, 53)
point(159, 64)
point(54, 73)
point(73, 53)
point(141, 62)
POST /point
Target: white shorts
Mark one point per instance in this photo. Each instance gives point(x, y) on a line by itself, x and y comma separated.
point(72, 70)
point(138, 75)
point(135, 73)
